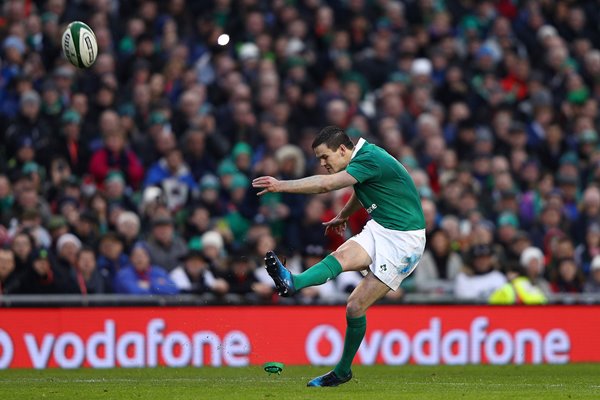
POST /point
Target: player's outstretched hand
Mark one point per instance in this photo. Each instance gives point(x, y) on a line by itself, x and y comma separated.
point(267, 183)
point(337, 225)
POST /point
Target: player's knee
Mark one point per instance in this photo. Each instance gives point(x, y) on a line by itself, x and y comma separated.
point(339, 255)
point(352, 257)
point(344, 259)
point(355, 308)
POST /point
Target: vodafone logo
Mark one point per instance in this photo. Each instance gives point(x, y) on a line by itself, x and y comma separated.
point(232, 336)
point(6, 349)
point(455, 347)
point(149, 348)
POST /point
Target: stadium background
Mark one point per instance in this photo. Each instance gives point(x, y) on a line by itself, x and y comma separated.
point(145, 159)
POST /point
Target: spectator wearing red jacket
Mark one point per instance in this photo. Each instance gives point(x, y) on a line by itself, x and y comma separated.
point(114, 155)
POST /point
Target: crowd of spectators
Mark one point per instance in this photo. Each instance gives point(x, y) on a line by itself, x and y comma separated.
point(133, 176)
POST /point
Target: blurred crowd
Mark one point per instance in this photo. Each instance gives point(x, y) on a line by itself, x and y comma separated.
point(133, 176)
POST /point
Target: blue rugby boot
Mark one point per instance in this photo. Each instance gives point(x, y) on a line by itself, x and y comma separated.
point(280, 274)
point(329, 379)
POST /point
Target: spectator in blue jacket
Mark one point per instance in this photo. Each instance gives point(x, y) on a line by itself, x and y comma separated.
point(174, 176)
point(112, 258)
point(141, 277)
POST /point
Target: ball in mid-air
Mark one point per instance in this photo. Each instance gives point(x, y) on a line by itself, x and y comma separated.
point(223, 39)
point(79, 44)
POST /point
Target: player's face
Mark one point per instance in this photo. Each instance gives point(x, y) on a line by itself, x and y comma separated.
point(332, 160)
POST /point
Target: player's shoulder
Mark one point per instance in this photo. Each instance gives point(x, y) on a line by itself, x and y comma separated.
point(367, 150)
point(374, 153)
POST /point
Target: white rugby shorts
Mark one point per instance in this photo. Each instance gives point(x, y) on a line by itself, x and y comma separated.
point(394, 254)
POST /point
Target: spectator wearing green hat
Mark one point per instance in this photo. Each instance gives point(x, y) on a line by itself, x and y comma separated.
point(69, 144)
point(507, 226)
point(569, 160)
point(238, 224)
point(588, 137)
point(239, 184)
point(588, 147)
point(127, 114)
point(226, 170)
point(241, 154)
point(115, 190)
point(210, 189)
point(57, 226)
point(35, 173)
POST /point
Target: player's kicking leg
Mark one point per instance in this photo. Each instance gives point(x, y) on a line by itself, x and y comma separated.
point(350, 256)
point(368, 291)
point(282, 276)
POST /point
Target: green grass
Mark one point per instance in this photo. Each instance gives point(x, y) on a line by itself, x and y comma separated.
point(576, 381)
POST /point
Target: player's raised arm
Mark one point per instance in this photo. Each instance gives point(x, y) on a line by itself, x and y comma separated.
point(312, 184)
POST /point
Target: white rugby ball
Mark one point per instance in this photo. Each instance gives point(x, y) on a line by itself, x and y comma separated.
point(79, 44)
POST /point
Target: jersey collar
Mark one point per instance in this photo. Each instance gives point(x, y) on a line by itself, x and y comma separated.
point(358, 146)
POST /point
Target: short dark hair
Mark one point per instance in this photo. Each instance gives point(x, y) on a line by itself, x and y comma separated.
point(85, 249)
point(333, 137)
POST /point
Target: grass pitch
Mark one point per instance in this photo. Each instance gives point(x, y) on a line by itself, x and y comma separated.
point(578, 381)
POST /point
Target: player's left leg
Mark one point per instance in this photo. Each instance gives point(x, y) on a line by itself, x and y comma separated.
point(368, 291)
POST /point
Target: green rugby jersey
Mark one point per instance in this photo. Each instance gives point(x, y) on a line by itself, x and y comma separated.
point(385, 188)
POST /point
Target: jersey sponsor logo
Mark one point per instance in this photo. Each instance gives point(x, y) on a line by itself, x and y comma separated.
point(370, 209)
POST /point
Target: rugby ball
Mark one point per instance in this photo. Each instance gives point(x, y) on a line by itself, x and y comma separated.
point(79, 44)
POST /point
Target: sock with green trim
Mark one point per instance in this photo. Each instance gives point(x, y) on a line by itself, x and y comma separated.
point(355, 332)
point(327, 269)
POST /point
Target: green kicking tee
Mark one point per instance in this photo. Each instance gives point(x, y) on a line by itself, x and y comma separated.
point(385, 188)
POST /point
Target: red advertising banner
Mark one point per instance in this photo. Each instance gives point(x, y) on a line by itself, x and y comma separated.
point(239, 336)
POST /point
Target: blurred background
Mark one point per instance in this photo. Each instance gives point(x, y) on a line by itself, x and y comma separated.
point(132, 177)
